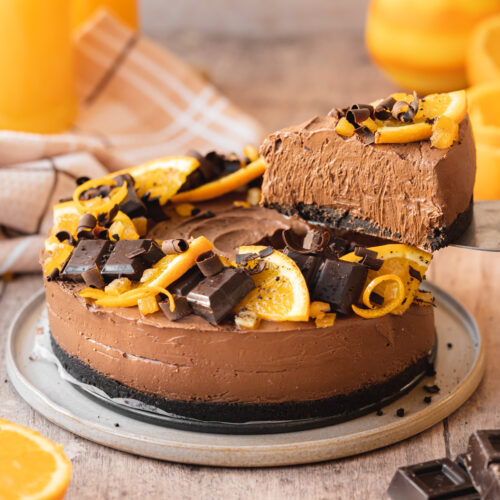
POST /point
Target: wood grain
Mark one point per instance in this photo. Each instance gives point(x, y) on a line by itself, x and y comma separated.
point(282, 81)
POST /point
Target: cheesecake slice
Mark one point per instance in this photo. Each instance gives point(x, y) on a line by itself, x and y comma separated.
point(412, 193)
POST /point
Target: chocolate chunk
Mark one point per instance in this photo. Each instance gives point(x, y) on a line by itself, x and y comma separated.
point(209, 263)
point(182, 308)
point(400, 412)
point(430, 371)
point(81, 180)
point(369, 258)
point(119, 264)
point(106, 219)
point(211, 167)
point(431, 389)
point(153, 208)
point(434, 480)
point(339, 247)
point(215, 297)
point(86, 255)
point(366, 136)
point(427, 400)
point(482, 461)
point(183, 285)
point(174, 246)
point(93, 278)
point(308, 265)
point(339, 283)
point(133, 206)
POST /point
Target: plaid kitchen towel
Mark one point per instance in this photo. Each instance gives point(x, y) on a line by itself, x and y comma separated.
point(137, 102)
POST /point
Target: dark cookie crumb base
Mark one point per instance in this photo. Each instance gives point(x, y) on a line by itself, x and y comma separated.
point(438, 237)
point(342, 405)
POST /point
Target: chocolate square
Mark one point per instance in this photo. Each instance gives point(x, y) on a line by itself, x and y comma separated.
point(182, 308)
point(86, 255)
point(307, 263)
point(215, 296)
point(186, 282)
point(340, 284)
point(434, 480)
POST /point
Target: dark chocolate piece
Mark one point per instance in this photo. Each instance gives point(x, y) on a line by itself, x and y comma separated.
point(105, 219)
point(119, 264)
point(154, 209)
point(63, 235)
point(86, 223)
point(379, 413)
point(266, 252)
point(132, 205)
point(86, 255)
point(400, 412)
point(369, 258)
point(365, 135)
point(209, 263)
point(82, 180)
point(308, 265)
point(483, 462)
point(153, 252)
point(316, 240)
point(357, 116)
point(174, 246)
point(182, 308)
point(53, 275)
point(244, 258)
point(434, 480)
point(427, 400)
point(376, 299)
point(186, 282)
point(384, 108)
point(93, 278)
point(215, 297)
point(339, 283)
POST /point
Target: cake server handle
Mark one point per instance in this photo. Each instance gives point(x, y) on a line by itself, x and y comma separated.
point(484, 231)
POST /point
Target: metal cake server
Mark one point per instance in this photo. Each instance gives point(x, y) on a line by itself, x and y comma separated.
point(484, 231)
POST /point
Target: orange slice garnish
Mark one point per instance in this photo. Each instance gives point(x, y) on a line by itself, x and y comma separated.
point(31, 466)
point(280, 292)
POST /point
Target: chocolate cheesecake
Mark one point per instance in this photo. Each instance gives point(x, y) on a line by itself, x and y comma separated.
point(411, 192)
point(225, 311)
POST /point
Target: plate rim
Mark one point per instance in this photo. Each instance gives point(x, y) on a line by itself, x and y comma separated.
point(253, 455)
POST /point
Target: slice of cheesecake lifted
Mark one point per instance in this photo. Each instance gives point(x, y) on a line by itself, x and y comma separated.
point(400, 169)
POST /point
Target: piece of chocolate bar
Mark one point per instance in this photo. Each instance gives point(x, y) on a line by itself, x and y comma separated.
point(182, 308)
point(339, 283)
point(434, 480)
point(86, 255)
point(215, 297)
point(482, 461)
point(183, 285)
point(132, 205)
point(307, 263)
point(129, 259)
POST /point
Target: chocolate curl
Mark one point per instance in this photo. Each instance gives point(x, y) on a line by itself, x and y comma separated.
point(87, 221)
point(292, 245)
point(258, 268)
point(406, 116)
point(365, 135)
point(209, 263)
point(174, 246)
point(93, 278)
point(316, 240)
point(384, 108)
point(357, 116)
point(63, 235)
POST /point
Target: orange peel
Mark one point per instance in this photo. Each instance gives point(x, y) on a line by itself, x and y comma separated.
point(223, 185)
point(386, 308)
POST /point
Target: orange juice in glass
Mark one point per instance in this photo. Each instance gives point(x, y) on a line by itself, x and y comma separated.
point(37, 87)
point(124, 10)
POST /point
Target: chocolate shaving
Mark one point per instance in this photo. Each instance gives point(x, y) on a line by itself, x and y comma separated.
point(85, 234)
point(63, 235)
point(384, 108)
point(209, 263)
point(258, 268)
point(357, 116)
point(266, 252)
point(365, 135)
point(408, 115)
point(244, 258)
point(174, 246)
point(93, 278)
point(87, 221)
point(316, 240)
point(415, 274)
point(292, 245)
point(53, 275)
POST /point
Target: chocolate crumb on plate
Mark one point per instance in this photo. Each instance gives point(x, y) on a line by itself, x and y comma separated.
point(427, 400)
point(400, 412)
point(431, 389)
point(449, 345)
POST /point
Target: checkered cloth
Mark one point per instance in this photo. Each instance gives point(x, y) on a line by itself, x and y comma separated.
point(137, 102)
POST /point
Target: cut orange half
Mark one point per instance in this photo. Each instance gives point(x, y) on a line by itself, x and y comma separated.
point(280, 292)
point(31, 466)
point(397, 260)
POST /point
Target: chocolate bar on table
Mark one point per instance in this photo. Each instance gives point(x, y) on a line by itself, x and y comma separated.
point(482, 461)
point(435, 480)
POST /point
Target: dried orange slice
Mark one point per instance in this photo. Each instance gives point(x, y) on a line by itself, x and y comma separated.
point(280, 292)
point(452, 105)
point(31, 466)
point(397, 260)
point(223, 185)
point(162, 177)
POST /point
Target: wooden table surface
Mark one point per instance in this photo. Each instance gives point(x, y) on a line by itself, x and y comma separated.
point(283, 81)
